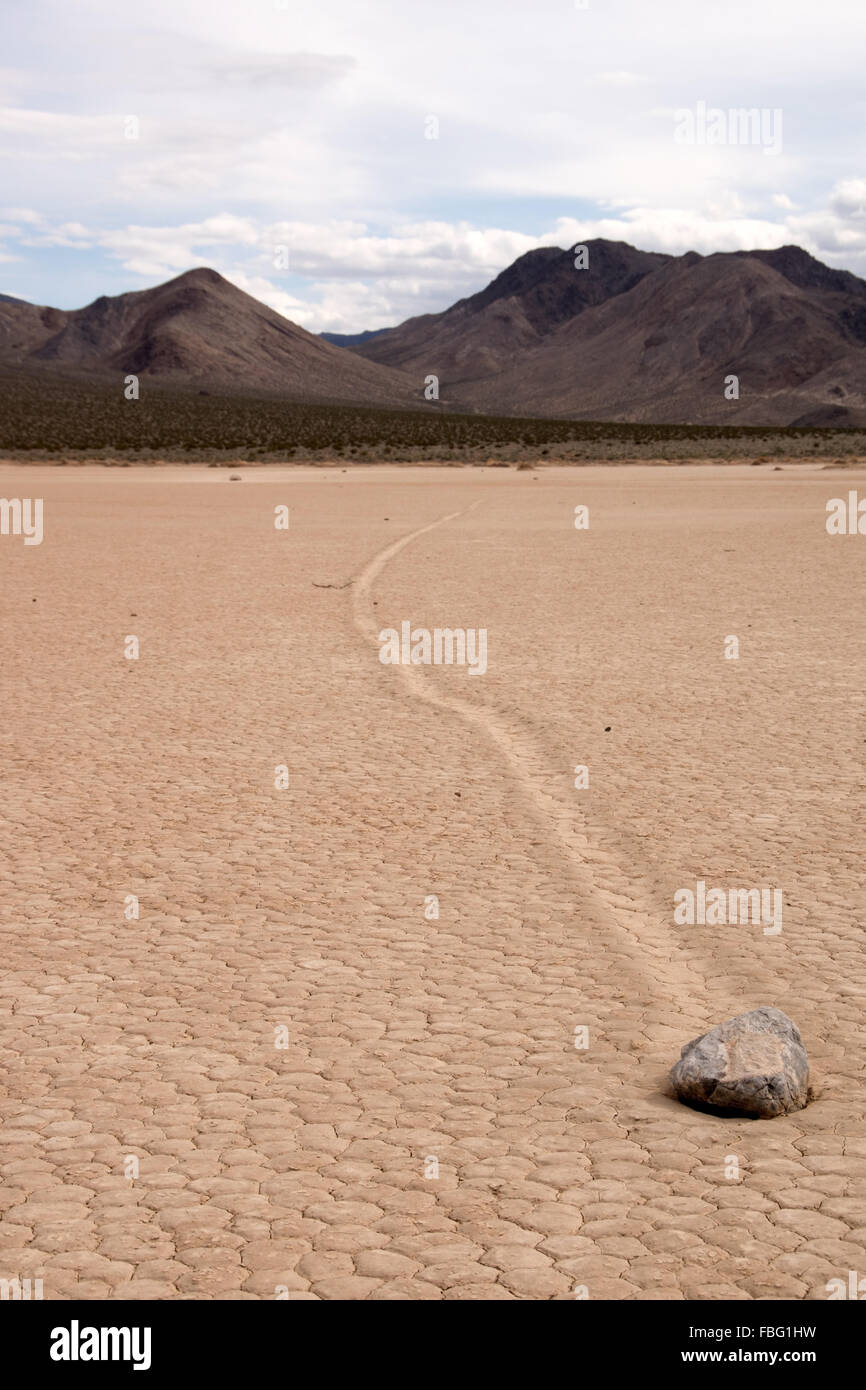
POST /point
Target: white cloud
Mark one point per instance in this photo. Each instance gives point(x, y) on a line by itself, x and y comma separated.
point(65, 132)
point(27, 215)
point(618, 79)
point(163, 251)
point(849, 198)
point(343, 277)
point(303, 123)
point(284, 69)
point(71, 234)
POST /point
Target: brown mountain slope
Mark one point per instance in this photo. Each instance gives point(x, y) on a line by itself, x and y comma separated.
point(635, 337)
point(661, 351)
point(480, 336)
point(197, 330)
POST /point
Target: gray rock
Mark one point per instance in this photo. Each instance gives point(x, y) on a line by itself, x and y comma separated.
point(753, 1064)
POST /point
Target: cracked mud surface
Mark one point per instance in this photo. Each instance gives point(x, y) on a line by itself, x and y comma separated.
point(303, 1168)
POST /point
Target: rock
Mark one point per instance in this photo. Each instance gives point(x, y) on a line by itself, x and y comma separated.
point(753, 1064)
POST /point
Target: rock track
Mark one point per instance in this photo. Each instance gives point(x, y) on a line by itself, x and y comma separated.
point(306, 1171)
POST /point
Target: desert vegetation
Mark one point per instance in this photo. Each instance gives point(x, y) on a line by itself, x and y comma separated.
point(65, 417)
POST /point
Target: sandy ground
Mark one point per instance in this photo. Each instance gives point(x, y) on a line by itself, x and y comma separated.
point(151, 1045)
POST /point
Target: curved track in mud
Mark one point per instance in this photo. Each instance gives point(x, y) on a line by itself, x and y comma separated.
point(657, 977)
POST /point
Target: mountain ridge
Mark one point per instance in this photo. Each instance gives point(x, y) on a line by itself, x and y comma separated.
point(652, 339)
point(197, 330)
point(635, 336)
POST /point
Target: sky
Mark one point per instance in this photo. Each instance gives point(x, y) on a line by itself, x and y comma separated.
point(355, 162)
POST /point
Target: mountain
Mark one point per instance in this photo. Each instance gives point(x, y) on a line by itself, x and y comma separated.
point(481, 335)
point(197, 330)
point(644, 337)
point(635, 336)
point(352, 339)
